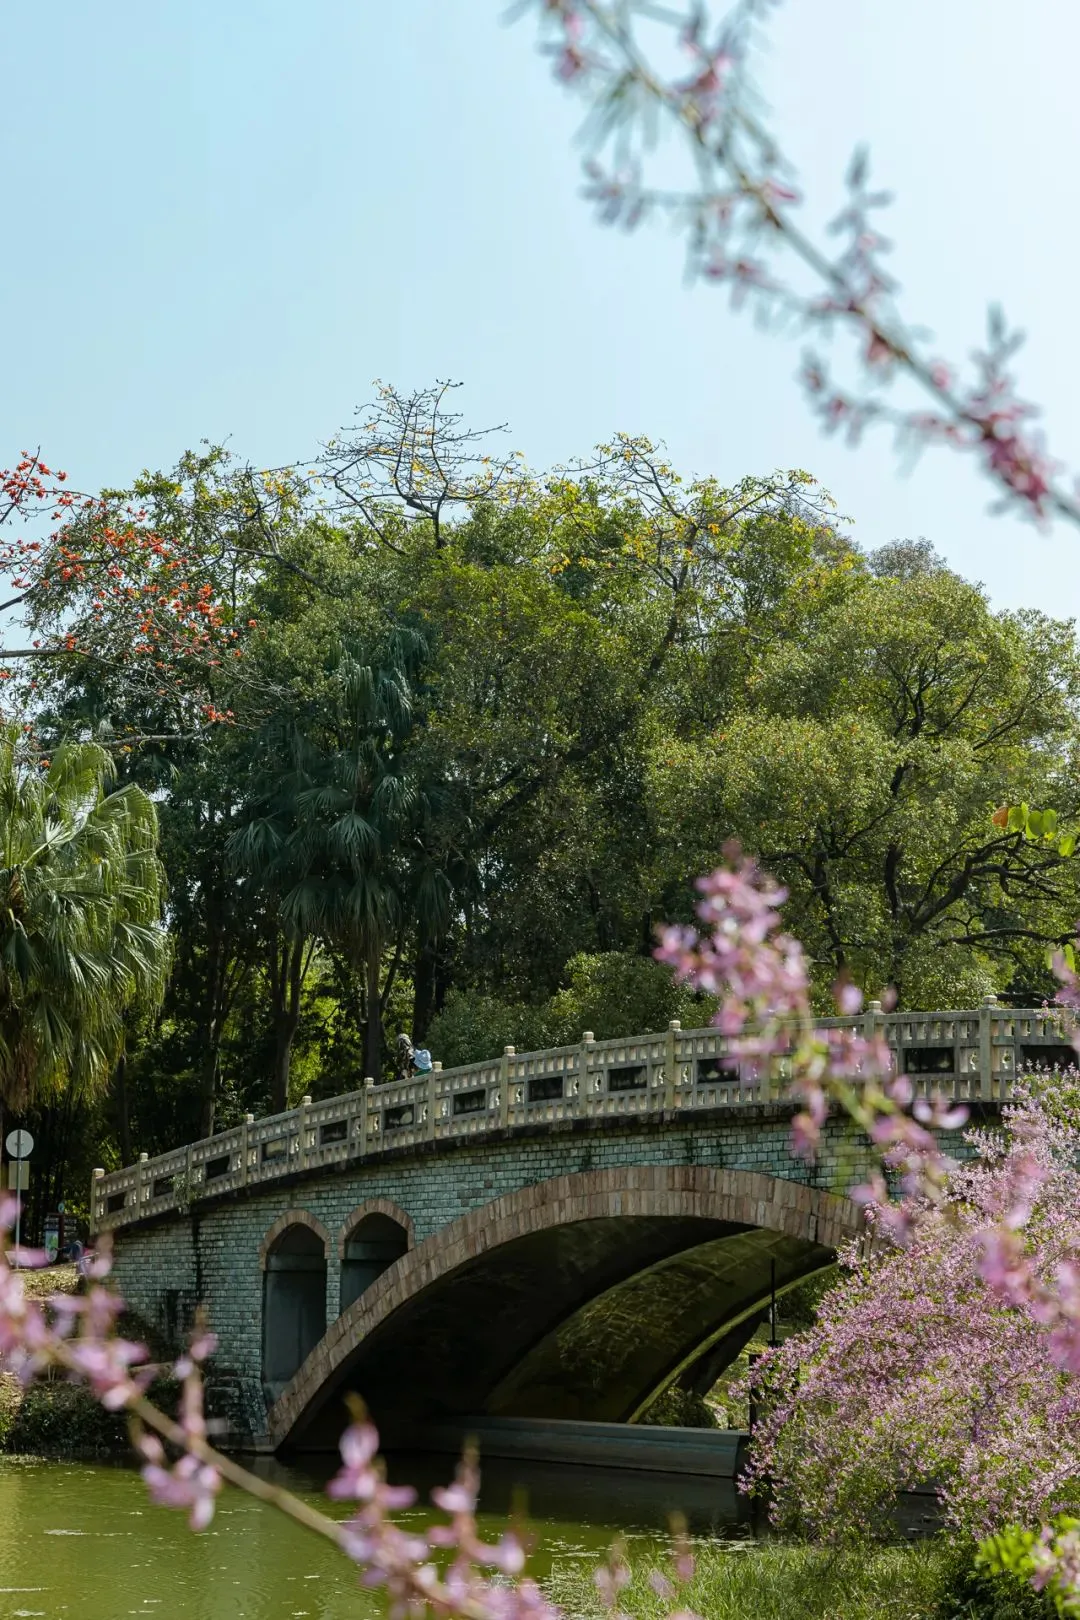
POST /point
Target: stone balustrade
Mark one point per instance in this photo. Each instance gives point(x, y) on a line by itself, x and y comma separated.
point(968, 1056)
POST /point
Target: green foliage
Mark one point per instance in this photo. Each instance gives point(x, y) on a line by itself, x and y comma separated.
point(616, 994)
point(610, 993)
point(473, 1026)
point(797, 1309)
point(679, 1408)
point(863, 767)
point(1036, 826)
point(1006, 1563)
point(60, 1420)
point(81, 942)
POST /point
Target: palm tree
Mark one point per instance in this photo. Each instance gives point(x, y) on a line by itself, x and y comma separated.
point(81, 936)
point(330, 840)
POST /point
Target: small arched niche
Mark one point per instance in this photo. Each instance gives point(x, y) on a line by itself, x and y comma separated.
point(373, 1245)
point(294, 1302)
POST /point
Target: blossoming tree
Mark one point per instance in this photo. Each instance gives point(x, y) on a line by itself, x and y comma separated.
point(918, 1371)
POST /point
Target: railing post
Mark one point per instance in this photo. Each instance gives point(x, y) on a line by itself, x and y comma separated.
point(986, 1046)
point(670, 1058)
point(189, 1172)
point(504, 1086)
point(873, 1018)
point(365, 1104)
point(766, 1076)
point(302, 1111)
point(432, 1100)
point(96, 1175)
point(140, 1183)
point(584, 1055)
point(245, 1149)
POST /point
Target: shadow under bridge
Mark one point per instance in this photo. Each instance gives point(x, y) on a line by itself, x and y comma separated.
point(582, 1298)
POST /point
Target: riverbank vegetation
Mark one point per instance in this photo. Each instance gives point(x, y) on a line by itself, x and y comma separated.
point(928, 1580)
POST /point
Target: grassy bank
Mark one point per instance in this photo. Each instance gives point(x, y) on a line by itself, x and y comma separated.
point(927, 1580)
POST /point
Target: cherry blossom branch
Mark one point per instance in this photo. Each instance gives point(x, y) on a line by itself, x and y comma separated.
point(739, 213)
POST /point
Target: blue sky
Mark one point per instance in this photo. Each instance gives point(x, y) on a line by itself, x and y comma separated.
point(227, 217)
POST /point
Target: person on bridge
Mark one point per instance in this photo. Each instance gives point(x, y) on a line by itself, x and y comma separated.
point(403, 1066)
point(411, 1059)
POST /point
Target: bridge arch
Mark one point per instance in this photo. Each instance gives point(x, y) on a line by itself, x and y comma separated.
point(293, 1257)
point(373, 1236)
point(375, 1206)
point(292, 1217)
point(582, 1296)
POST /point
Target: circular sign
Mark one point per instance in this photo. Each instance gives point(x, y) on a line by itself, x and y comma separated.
point(20, 1144)
point(61, 1207)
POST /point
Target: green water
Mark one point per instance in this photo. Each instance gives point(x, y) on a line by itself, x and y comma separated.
point(82, 1540)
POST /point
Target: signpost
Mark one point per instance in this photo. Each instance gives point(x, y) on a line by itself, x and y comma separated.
point(20, 1144)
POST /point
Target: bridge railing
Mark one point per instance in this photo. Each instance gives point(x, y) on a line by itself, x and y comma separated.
point(968, 1055)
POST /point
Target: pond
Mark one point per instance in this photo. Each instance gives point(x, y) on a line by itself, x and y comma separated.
point(82, 1540)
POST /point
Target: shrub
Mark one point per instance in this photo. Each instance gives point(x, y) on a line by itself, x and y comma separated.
point(680, 1409)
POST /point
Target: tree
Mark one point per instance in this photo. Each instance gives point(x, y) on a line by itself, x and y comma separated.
point(612, 994)
point(137, 591)
point(609, 669)
point(81, 935)
point(864, 768)
point(213, 917)
point(328, 832)
point(412, 460)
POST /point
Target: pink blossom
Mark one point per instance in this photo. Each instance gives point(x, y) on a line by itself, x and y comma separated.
point(849, 999)
point(357, 1480)
point(189, 1484)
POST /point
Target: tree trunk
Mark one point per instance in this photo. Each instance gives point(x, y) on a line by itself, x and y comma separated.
point(225, 974)
point(433, 974)
point(423, 991)
point(208, 1084)
point(286, 986)
point(373, 1026)
point(208, 1079)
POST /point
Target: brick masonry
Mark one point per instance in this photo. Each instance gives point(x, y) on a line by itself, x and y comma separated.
point(215, 1253)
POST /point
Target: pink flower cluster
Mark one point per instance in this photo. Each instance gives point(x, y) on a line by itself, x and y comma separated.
point(404, 1562)
point(760, 973)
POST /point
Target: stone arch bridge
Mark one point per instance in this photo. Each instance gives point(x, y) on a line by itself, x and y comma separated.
point(557, 1234)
